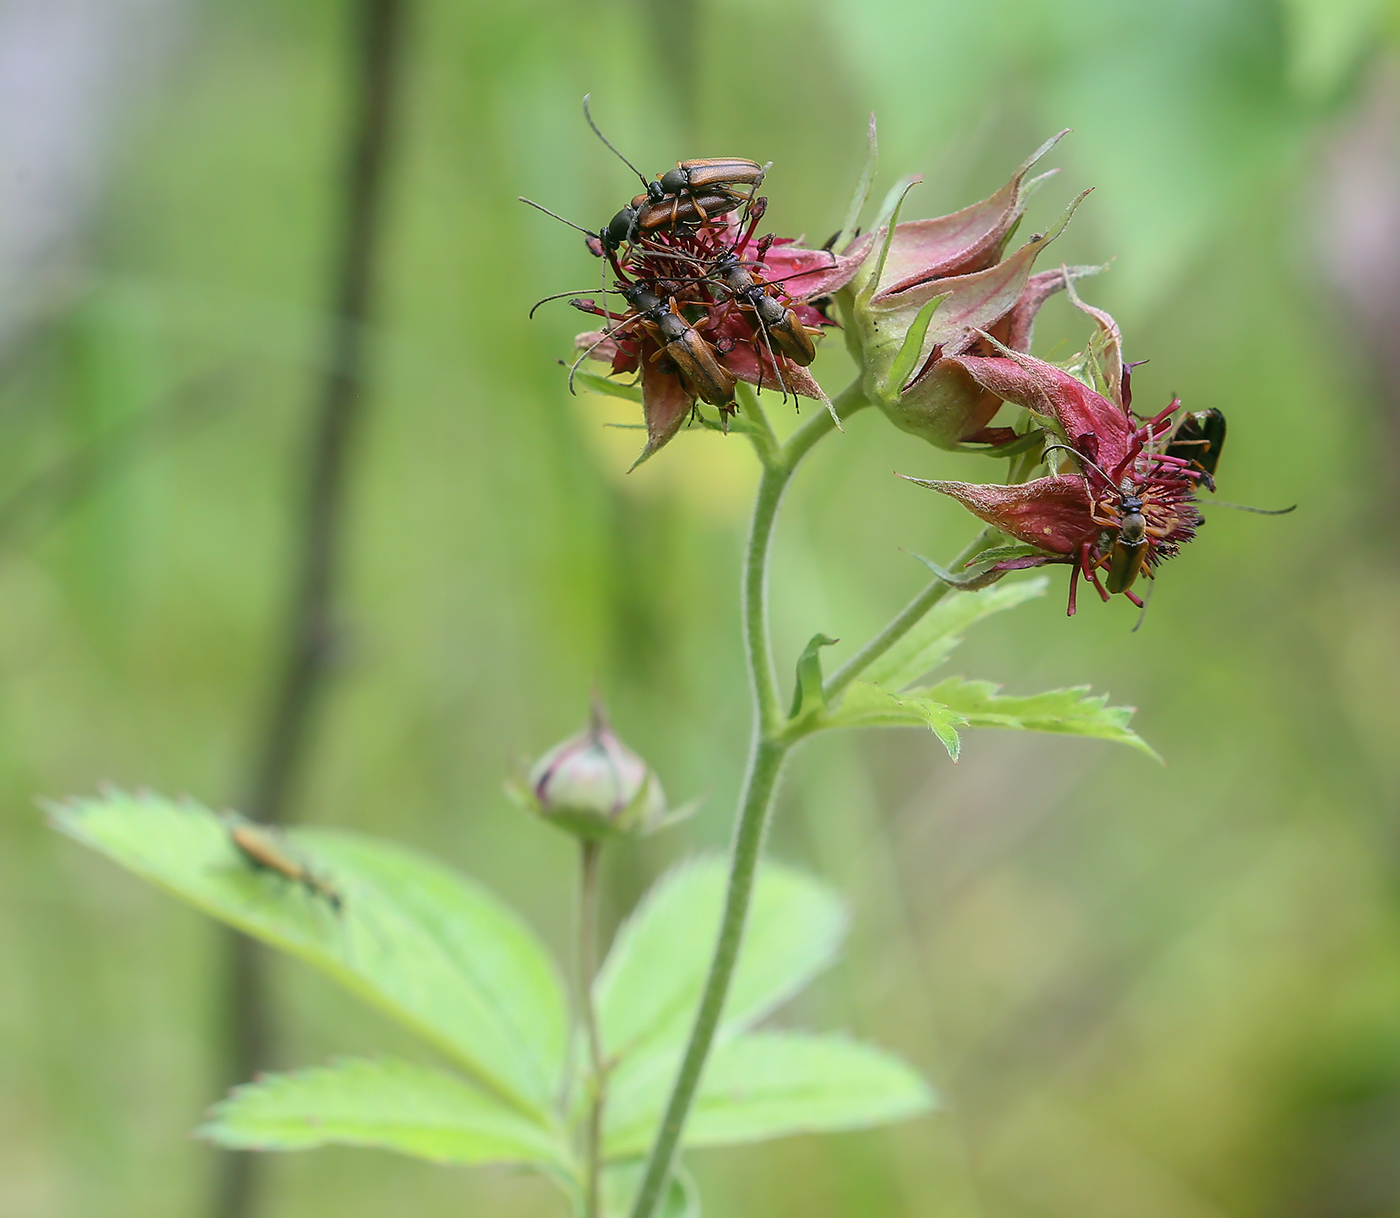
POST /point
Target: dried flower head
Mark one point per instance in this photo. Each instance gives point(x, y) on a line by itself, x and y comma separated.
point(710, 305)
point(1129, 504)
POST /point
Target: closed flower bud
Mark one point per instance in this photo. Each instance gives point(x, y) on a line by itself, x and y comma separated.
point(593, 786)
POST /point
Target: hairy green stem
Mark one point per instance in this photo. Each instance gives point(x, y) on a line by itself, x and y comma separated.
point(765, 763)
point(587, 970)
point(904, 621)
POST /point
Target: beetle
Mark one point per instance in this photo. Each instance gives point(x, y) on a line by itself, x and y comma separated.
point(1129, 552)
point(682, 344)
point(679, 340)
point(779, 322)
point(263, 848)
point(694, 192)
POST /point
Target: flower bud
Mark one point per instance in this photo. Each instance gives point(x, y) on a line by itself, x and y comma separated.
point(593, 786)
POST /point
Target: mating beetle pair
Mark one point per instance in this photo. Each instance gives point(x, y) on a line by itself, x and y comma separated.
point(673, 223)
point(695, 192)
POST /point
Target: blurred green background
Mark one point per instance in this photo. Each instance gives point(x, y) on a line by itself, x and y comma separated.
point(1164, 993)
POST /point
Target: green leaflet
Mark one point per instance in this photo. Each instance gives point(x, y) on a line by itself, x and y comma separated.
point(1072, 711)
point(957, 702)
point(867, 705)
point(422, 943)
point(765, 1085)
point(807, 696)
point(607, 386)
point(907, 358)
point(862, 192)
point(385, 1103)
point(648, 987)
point(941, 629)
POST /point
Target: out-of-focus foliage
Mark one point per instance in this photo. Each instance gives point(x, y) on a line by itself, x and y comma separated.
point(440, 955)
point(1163, 993)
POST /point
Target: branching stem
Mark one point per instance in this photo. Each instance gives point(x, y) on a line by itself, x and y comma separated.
point(766, 757)
point(904, 621)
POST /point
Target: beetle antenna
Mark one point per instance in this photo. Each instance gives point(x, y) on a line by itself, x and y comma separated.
point(561, 295)
point(1146, 600)
point(1085, 460)
point(607, 334)
point(605, 140)
point(777, 367)
point(1240, 507)
point(540, 207)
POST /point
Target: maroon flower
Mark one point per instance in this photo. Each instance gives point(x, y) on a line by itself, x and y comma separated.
point(1130, 507)
point(677, 265)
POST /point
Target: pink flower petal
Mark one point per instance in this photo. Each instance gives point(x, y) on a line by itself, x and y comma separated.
point(757, 368)
point(1049, 513)
point(1108, 347)
point(604, 349)
point(806, 274)
point(1020, 322)
point(962, 243)
point(665, 402)
point(1092, 423)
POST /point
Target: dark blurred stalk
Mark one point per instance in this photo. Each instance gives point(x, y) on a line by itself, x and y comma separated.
point(308, 645)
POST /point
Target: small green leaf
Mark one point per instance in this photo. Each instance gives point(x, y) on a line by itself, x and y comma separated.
point(904, 362)
point(1071, 711)
point(862, 191)
point(982, 575)
point(770, 1085)
point(622, 1180)
point(887, 219)
point(421, 942)
point(807, 696)
point(385, 1103)
point(649, 984)
point(866, 705)
point(940, 630)
point(607, 386)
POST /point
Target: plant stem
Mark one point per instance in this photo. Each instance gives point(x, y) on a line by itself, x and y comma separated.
point(587, 970)
point(904, 621)
point(766, 757)
point(309, 627)
point(765, 763)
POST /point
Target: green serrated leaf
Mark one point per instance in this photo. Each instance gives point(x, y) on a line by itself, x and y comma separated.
point(770, 1085)
point(622, 1180)
point(648, 987)
point(904, 362)
point(807, 697)
point(930, 642)
point(1074, 711)
point(867, 705)
point(385, 1103)
point(422, 943)
point(607, 386)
